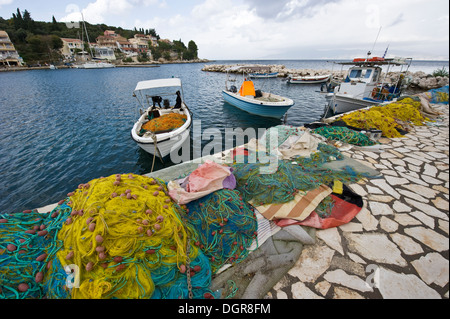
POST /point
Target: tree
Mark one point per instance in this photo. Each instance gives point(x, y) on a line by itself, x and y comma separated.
point(193, 49)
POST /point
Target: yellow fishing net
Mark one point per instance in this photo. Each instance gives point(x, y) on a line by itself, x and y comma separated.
point(121, 229)
point(166, 122)
point(387, 118)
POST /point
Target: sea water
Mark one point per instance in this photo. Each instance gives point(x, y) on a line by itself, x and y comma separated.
point(61, 128)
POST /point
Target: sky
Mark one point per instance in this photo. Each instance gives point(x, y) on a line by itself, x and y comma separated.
point(270, 29)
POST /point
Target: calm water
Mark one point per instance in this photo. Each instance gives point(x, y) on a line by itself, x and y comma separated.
point(65, 127)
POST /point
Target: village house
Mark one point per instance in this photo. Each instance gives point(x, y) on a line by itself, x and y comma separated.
point(70, 47)
point(8, 53)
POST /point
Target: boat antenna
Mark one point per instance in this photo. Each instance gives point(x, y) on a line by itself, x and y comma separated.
point(376, 39)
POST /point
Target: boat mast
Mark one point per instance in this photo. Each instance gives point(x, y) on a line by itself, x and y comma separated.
point(87, 35)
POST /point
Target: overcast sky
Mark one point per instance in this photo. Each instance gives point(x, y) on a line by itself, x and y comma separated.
point(270, 29)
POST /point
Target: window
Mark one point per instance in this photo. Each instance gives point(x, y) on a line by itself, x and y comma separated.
point(368, 73)
point(355, 74)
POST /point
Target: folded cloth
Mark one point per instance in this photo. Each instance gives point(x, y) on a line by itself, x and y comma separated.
point(346, 206)
point(207, 178)
point(299, 208)
point(296, 145)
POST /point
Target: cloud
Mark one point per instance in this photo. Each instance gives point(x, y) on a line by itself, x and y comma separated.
point(5, 2)
point(285, 9)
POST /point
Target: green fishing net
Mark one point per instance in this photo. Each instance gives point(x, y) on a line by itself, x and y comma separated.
point(291, 177)
point(344, 134)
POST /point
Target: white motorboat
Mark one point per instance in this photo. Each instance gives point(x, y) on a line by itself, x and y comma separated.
point(255, 101)
point(95, 65)
point(363, 85)
point(150, 94)
point(308, 79)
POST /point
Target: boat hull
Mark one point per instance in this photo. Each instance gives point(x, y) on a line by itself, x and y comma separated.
point(168, 146)
point(308, 80)
point(256, 107)
point(342, 104)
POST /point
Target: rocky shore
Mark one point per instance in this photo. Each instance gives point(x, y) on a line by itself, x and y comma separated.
point(417, 80)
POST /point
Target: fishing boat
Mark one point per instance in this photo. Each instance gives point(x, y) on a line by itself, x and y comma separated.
point(308, 79)
point(254, 101)
point(261, 72)
point(162, 140)
point(364, 85)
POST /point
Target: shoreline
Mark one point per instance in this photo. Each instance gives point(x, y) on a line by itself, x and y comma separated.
point(143, 64)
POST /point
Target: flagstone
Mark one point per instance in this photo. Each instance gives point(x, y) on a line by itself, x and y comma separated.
point(399, 207)
point(323, 287)
point(413, 161)
point(414, 179)
point(407, 244)
point(413, 195)
point(430, 170)
point(443, 176)
point(376, 247)
point(441, 189)
point(424, 219)
point(380, 198)
point(397, 161)
point(351, 227)
point(428, 237)
point(385, 172)
point(441, 203)
point(300, 291)
point(356, 258)
point(406, 220)
point(431, 180)
point(398, 154)
point(378, 208)
point(443, 225)
point(438, 155)
point(395, 180)
point(381, 183)
point(387, 155)
point(332, 238)
point(373, 190)
point(414, 168)
point(402, 286)
point(427, 209)
point(340, 277)
point(358, 189)
point(313, 262)
point(432, 268)
point(368, 221)
point(388, 225)
point(345, 293)
point(422, 190)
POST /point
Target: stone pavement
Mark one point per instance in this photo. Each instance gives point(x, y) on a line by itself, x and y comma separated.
point(397, 247)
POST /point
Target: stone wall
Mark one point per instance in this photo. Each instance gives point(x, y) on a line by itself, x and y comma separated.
point(417, 80)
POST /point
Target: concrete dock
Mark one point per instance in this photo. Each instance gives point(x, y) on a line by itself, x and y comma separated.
point(397, 247)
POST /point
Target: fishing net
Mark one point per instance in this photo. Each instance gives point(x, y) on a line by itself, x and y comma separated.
point(290, 178)
point(344, 134)
point(439, 95)
point(129, 241)
point(389, 118)
point(28, 248)
point(165, 123)
point(226, 226)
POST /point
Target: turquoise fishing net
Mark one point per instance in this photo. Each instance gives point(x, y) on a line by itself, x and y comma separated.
point(439, 95)
point(28, 247)
point(344, 134)
point(171, 284)
point(226, 226)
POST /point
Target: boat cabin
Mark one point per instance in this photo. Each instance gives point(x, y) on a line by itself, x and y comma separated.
point(360, 82)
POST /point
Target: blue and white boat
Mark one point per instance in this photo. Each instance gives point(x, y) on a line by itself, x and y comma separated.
point(255, 101)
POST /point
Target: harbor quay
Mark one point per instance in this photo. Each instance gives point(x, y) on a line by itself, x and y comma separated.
point(396, 247)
